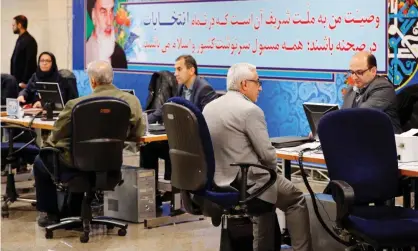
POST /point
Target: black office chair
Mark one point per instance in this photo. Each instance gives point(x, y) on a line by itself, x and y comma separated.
point(162, 86)
point(20, 148)
point(99, 128)
point(69, 83)
point(9, 87)
point(407, 100)
point(193, 170)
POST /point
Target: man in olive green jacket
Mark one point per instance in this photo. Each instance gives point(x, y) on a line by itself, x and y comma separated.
point(101, 78)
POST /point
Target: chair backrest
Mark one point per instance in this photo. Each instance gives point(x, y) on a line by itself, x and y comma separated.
point(407, 101)
point(191, 151)
point(9, 87)
point(71, 84)
point(99, 129)
point(359, 148)
point(162, 86)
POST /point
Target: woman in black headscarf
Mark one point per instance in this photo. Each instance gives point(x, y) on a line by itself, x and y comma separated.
point(47, 71)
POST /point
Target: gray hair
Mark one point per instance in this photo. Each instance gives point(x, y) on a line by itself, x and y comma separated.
point(237, 73)
point(101, 72)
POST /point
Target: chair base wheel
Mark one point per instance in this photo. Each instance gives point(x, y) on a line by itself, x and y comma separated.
point(122, 232)
point(49, 234)
point(4, 214)
point(84, 238)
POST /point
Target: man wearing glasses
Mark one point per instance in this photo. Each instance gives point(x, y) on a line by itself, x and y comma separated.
point(370, 90)
point(239, 134)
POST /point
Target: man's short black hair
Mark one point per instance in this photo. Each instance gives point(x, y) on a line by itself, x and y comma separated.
point(90, 6)
point(189, 61)
point(22, 20)
point(371, 61)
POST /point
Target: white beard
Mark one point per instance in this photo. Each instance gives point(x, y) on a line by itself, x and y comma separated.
point(100, 47)
point(106, 45)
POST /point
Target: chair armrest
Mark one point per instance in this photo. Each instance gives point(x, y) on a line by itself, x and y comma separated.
point(343, 195)
point(243, 190)
point(55, 154)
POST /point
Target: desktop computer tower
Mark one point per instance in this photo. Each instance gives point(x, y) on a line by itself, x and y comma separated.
point(134, 200)
point(321, 240)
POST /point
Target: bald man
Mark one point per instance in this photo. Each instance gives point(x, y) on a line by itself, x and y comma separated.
point(370, 90)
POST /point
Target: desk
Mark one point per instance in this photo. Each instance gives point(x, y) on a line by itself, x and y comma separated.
point(38, 123)
point(409, 169)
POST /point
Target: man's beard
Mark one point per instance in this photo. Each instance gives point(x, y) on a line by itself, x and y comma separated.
point(106, 45)
point(16, 31)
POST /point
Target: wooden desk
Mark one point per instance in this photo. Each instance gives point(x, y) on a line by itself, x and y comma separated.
point(406, 169)
point(49, 125)
point(37, 123)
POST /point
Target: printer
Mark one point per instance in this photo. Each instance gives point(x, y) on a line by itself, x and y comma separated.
point(407, 146)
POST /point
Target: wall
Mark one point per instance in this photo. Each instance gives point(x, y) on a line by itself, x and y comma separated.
point(50, 23)
point(281, 101)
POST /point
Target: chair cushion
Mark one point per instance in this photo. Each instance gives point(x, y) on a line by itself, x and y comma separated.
point(224, 199)
point(30, 149)
point(385, 226)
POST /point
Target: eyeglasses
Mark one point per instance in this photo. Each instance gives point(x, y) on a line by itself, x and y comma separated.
point(257, 81)
point(45, 61)
point(358, 73)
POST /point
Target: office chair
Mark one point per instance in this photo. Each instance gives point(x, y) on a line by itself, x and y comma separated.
point(70, 84)
point(162, 86)
point(360, 153)
point(407, 102)
point(19, 148)
point(99, 128)
point(193, 170)
point(9, 87)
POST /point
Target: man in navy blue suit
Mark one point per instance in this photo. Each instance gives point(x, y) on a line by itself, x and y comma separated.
point(191, 87)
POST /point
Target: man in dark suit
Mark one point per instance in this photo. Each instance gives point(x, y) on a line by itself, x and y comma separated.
point(370, 90)
point(191, 87)
point(23, 61)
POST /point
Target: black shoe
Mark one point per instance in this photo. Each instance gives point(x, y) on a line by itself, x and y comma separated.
point(45, 220)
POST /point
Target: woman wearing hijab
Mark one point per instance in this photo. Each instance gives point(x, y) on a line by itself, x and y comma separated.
point(47, 71)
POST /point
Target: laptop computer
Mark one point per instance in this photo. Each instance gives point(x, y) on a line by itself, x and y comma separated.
point(156, 129)
point(313, 112)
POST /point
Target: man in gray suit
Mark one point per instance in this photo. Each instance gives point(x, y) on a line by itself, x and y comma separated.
point(239, 134)
point(370, 90)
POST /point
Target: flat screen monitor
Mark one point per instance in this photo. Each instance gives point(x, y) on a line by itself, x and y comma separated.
point(50, 93)
point(314, 112)
point(131, 91)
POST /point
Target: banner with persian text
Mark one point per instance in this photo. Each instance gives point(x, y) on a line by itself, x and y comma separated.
point(286, 40)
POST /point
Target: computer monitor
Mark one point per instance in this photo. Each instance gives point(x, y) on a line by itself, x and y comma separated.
point(314, 112)
point(131, 91)
point(50, 93)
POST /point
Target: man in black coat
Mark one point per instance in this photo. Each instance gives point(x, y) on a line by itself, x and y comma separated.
point(23, 61)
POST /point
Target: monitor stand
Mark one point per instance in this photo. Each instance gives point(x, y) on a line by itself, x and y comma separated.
point(49, 107)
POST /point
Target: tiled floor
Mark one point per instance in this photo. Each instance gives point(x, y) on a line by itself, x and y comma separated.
point(20, 232)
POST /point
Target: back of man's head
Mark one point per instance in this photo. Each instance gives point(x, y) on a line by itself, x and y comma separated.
point(237, 73)
point(100, 72)
point(22, 20)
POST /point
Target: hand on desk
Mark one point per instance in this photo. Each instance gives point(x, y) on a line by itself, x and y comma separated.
point(21, 99)
point(37, 104)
